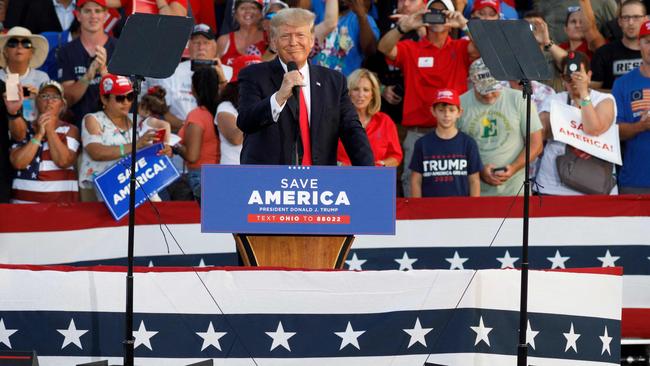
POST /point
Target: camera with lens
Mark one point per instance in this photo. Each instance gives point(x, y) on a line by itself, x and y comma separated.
point(573, 63)
point(399, 89)
point(434, 16)
point(200, 64)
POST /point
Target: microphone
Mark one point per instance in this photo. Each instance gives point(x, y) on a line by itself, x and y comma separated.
point(291, 66)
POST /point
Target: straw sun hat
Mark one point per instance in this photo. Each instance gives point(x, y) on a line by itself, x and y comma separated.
point(40, 46)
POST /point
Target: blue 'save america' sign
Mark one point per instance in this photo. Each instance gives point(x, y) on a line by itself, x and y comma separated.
point(298, 200)
point(153, 173)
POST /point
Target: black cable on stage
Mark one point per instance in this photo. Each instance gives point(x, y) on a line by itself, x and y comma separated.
point(196, 273)
point(462, 296)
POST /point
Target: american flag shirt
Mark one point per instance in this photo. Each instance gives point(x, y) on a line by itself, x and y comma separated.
point(42, 180)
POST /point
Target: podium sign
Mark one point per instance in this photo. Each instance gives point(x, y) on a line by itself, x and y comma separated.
point(264, 199)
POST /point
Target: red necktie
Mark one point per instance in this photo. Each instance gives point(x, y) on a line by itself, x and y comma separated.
point(304, 131)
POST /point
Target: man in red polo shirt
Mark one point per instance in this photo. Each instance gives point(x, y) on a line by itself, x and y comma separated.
point(434, 62)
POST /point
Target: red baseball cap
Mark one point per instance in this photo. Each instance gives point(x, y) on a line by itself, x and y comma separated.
point(115, 84)
point(81, 3)
point(480, 4)
point(645, 29)
point(447, 96)
point(241, 62)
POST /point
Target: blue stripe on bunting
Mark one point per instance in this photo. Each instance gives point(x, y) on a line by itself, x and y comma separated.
point(634, 258)
point(315, 334)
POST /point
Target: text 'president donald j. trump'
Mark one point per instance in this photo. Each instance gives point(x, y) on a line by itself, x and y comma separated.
point(301, 126)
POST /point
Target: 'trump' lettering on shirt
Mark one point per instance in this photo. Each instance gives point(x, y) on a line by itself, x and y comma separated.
point(444, 166)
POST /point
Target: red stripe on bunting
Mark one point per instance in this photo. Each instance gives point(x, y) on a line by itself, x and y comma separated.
point(79, 216)
point(635, 323)
point(612, 271)
point(540, 206)
point(123, 269)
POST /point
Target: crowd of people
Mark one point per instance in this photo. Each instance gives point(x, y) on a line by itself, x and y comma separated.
point(426, 100)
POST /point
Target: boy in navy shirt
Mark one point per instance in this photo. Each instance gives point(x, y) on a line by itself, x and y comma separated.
point(446, 162)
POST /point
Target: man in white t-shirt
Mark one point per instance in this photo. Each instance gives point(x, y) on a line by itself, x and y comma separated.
point(202, 46)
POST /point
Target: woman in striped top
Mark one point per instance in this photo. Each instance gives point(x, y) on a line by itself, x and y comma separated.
point(44, 159)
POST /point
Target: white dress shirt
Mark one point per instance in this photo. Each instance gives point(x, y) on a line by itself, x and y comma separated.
point(65, 15)
point(276, 108)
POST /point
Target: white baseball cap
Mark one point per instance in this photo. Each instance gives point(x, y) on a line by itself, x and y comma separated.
point(447, 3)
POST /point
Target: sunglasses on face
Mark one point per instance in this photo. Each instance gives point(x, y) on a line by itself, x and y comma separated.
point(14, 42)
point(121, 98)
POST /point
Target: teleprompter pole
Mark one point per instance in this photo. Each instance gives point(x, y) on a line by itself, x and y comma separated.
point(522, 347)
point(128, 318)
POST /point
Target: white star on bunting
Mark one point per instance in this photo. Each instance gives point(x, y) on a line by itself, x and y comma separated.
point(5, 333)
point(406, 263)
point(607, 340)
point(417, 334)
point(355, 263)
point(530, 335)
point(456, 261)
point(211, 338)
point(482, 333)
point(350, 336)
point(507, 261)
point(558, 260)
point(608, 260)
point(72, 335)
point(280, 338)
point(143, 336)
point(571, 339)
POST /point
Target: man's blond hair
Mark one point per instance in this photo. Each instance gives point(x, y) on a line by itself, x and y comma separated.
point(295, 17)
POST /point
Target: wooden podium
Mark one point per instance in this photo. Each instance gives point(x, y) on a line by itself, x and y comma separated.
point(294, 251)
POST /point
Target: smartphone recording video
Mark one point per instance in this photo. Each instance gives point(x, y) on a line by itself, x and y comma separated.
point(160, 136)
point(12, 87)
point(199, 64)
point(434, 16)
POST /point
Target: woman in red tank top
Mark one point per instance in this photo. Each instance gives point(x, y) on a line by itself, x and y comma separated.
point(249, 39)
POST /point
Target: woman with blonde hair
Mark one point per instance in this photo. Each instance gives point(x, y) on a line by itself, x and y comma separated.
point(364, 92)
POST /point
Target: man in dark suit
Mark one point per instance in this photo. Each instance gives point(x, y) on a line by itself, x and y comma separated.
point(270, 116)
point(40, 15)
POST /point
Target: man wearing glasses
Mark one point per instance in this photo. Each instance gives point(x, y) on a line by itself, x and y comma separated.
point(44, 159)
point(632, 93)
point(621, 56)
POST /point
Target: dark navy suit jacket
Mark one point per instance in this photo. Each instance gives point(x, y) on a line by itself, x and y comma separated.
point(333, 116)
